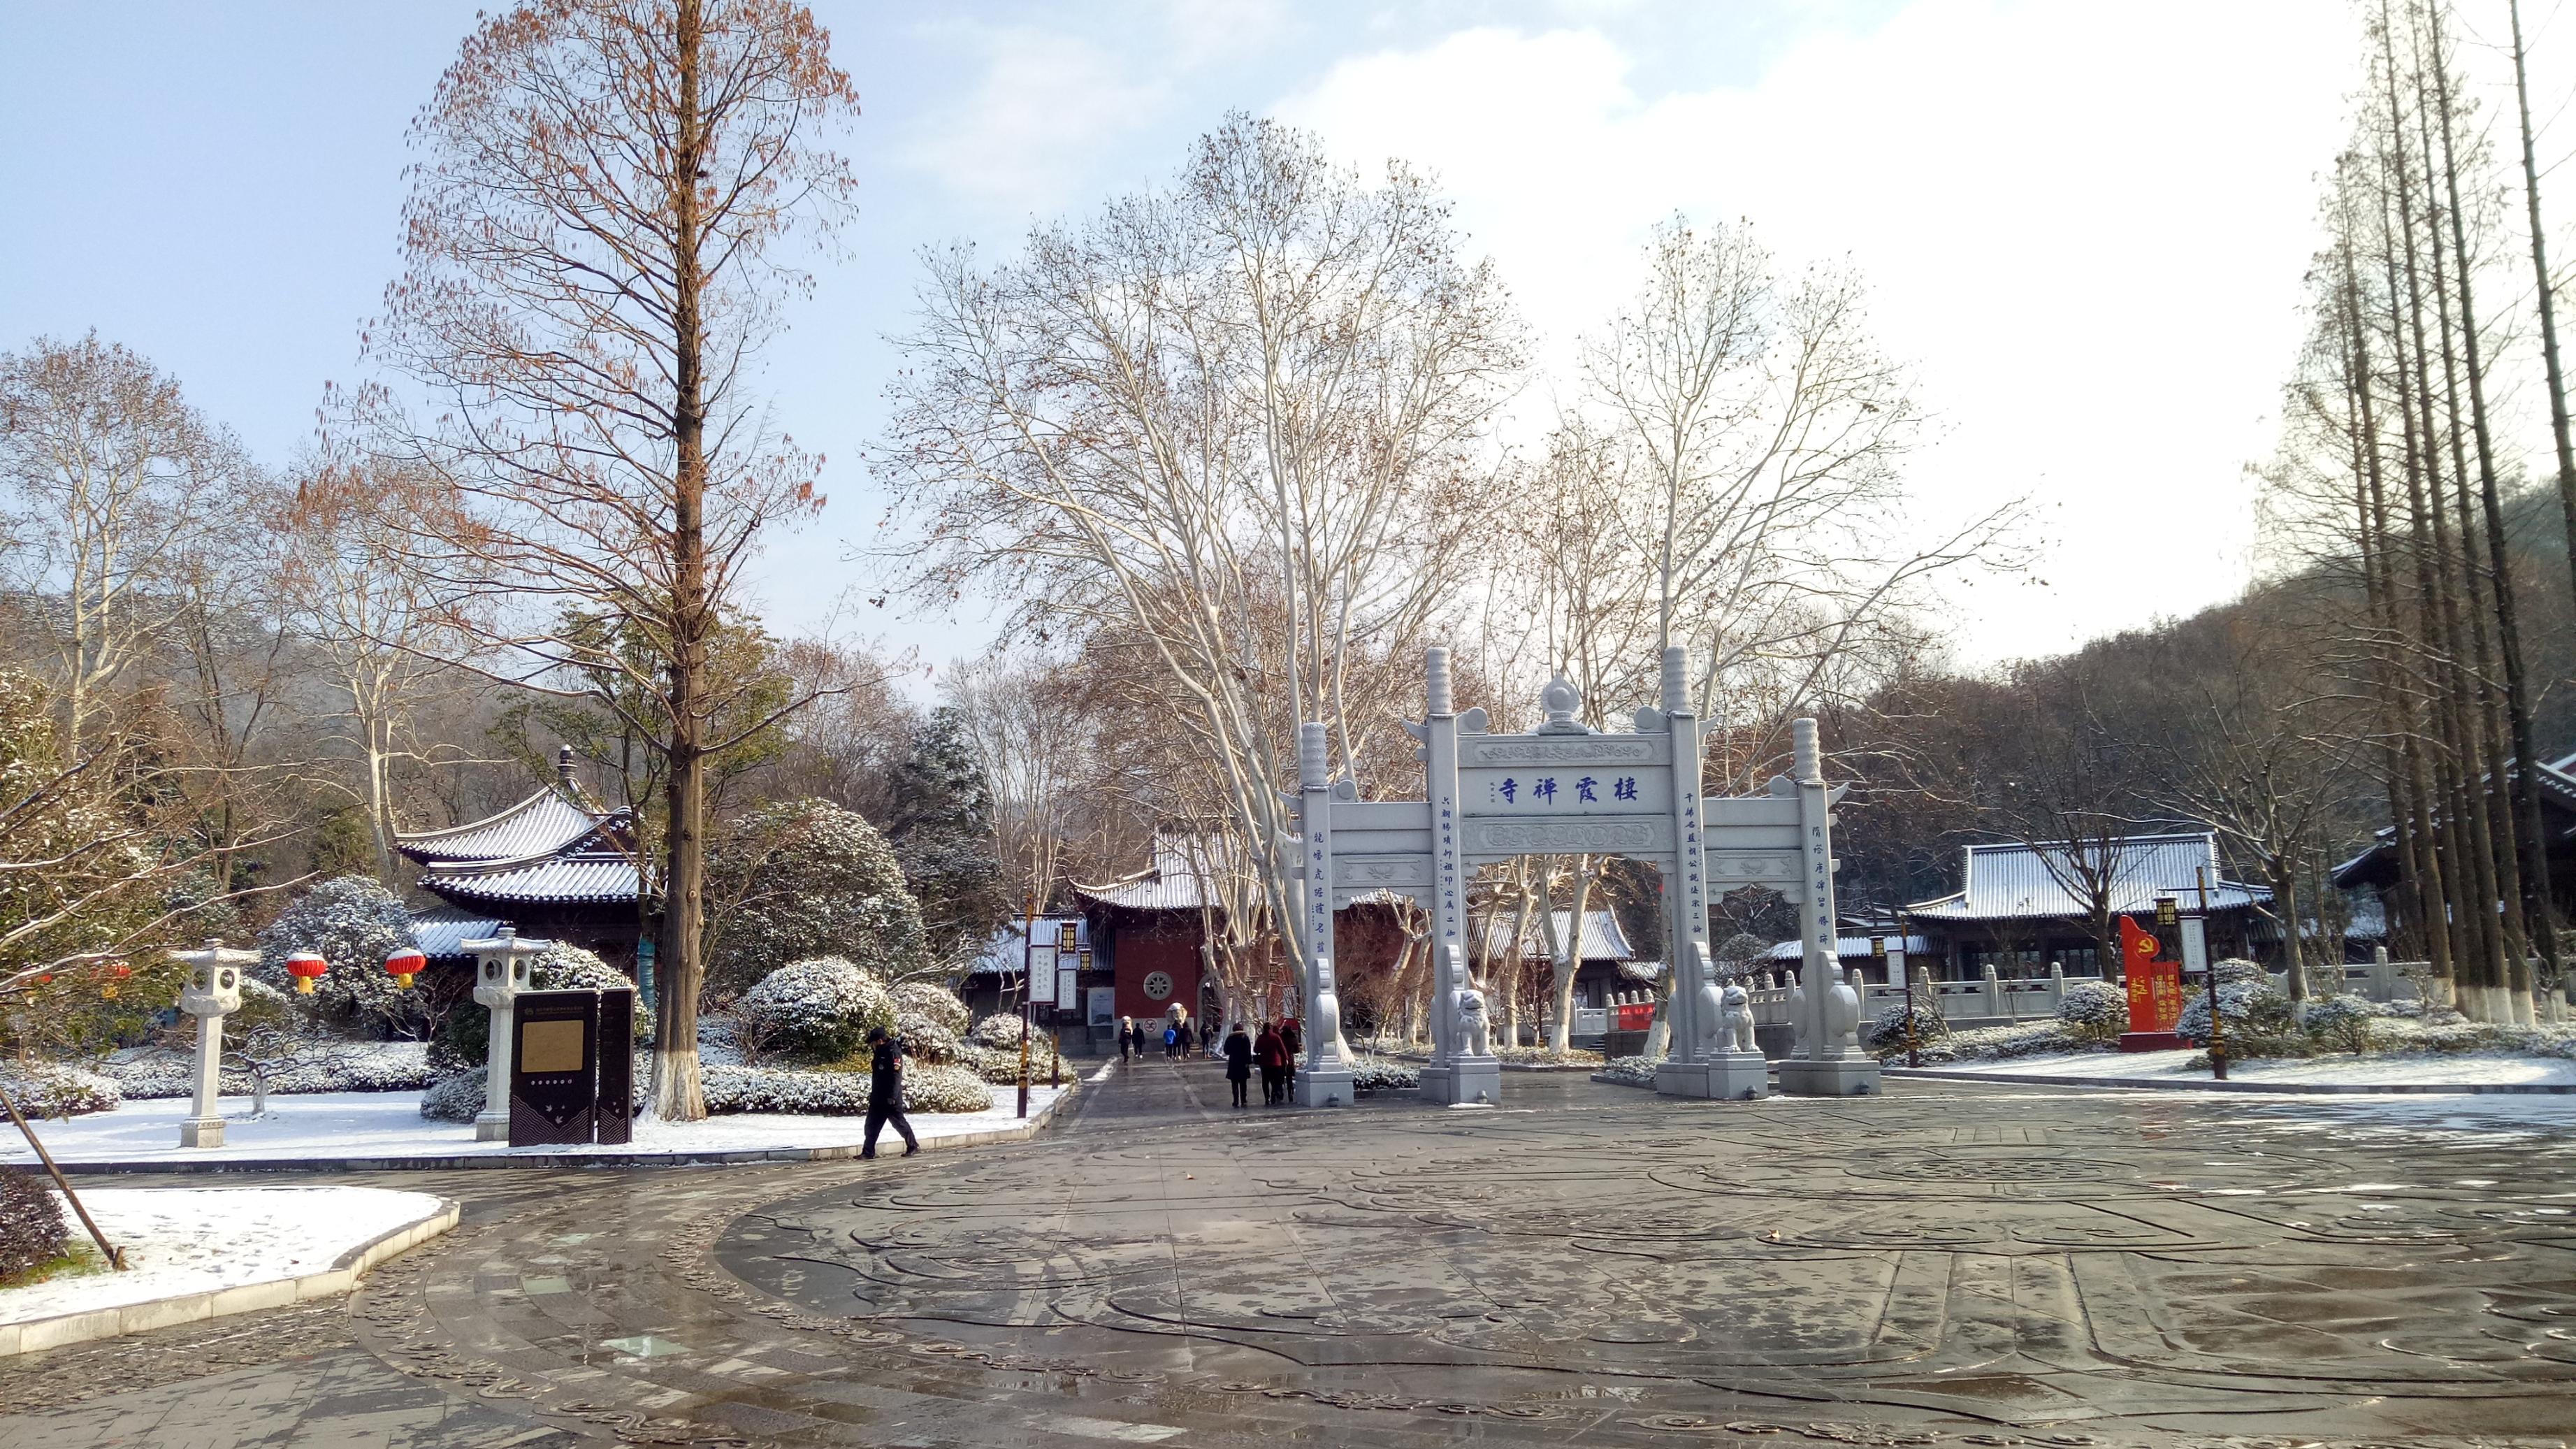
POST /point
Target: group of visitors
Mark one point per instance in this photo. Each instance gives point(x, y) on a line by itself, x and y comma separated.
point(1274, 1050)
point(1178, 1037)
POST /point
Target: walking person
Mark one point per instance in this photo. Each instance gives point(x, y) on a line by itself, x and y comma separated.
point(1291, 1042)
point(1266, 1051)
point(885, 1092)
point(1238, 1061)
point(1126, 1037)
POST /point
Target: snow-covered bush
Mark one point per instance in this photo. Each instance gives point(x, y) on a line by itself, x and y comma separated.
point(354, 923)
point(51, 1089)
point(31, 1222)
point(821, 1008)
point(2248, 1008)
point(2001, 1043)
point(1635, 1071)
point(2094, 1010)
point(1374, 1073)
point(843, 1094)
point(925, 1038)
point(998, 1065)
point(936, 1002)
point(454, 1099)
point(1887, 1034)
point(289, 1066)
point(2236, 970)
point(799, 879)
point(1002, 1032)
point(2339, 1022)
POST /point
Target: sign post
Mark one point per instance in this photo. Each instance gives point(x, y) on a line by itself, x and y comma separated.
point(2155, 990)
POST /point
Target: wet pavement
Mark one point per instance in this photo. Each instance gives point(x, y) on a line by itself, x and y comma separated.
point(1952, 1263)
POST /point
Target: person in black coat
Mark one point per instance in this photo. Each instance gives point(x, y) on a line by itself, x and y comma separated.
point(1238, 1062)
point(1291, 1043)
point(1126, 1037)
point(885, 1091)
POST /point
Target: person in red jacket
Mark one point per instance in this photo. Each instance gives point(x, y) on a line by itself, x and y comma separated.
point(1273, 1057)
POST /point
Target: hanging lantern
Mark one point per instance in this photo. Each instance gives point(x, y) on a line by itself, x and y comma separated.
point(405, 964)
point(305, 967)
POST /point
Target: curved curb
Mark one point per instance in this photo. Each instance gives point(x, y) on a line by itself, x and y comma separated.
point(739, 1157)
point(2293, 1089)
point(67, 1328)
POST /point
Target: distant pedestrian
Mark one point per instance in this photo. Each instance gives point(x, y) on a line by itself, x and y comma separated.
point(1126, 1037)
point(1273, 1057)
point(1238, 1061)
point(1171, 1034)
point(1291, 1042)
point(885, 1092)
point(1207, 1036)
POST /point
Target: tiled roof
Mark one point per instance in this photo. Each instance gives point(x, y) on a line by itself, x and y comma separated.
point(443, 931)
point(604, 878)
point(1602, 938)
point(2011, 882)
point(1175, 880)
point(539, 825)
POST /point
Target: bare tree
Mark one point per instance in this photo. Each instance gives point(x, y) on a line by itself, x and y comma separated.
point(593, 262)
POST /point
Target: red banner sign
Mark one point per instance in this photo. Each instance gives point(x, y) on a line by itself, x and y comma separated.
point(2155, 987)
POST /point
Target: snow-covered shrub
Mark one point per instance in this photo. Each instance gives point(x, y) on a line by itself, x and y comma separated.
point(31, 1222)
point(2236, 970)
point(998, 1065)
point(354, 923)
point(1374, 1073)
point(1887, 1035)
point(2248, 1008)
point(944, 1089)
point(52, 1089)
point(2094, 1010)
point(799, 879)
point(842, 1094)
point(2339, 1022)
point(454, 1099)
point(1636, 1071)
point(821, 1008)
point(2001, 1043)
point(925, 1037)
point(936, 1002)
point(1004, 1032)
point(317, 1064)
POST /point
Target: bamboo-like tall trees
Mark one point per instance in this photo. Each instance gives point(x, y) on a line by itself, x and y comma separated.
point(2391, 487)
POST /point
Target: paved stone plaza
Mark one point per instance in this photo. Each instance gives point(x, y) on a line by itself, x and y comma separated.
point(1949, 1264)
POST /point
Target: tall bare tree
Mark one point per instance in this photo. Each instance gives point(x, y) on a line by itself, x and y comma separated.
point(593, 262)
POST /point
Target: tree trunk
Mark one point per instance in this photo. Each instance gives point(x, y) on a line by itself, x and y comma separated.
point(2544, 285)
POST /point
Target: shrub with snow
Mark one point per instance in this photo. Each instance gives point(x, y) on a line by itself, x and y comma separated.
point(803, 879)
point(2236, 970)
point(52, 1089)
point(465, 1036)
point(1375, 1073)
point(944, 1089)
point(31, 1222)
point(313, 1064)
point(998, 1065)
point(936, 1002)
point(2094, 1010)
point(845, 1094)
point(1887, 1035)
point(999, 1031)
point(2249, 1009)
point(2000, 1043)
point(821, 1008)
point(354, 923)
point(2339, 1022)
point(925, 1037)
point(454, 1099)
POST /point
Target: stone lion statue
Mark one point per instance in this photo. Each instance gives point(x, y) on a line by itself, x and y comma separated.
point(1737, 1013)
point(1474, 1037)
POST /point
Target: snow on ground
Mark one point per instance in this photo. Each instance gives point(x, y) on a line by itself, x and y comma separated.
point(2468, 1070)
point(184, 1240)
point(380, 1125)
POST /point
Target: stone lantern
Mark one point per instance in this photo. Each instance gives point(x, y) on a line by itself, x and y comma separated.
point(501, 965)
point(213, 992)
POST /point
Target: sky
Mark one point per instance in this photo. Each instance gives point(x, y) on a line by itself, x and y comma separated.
point(2083, 225)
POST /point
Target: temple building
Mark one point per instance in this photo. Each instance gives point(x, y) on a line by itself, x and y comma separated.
point(554, 865)
point(2014, 912)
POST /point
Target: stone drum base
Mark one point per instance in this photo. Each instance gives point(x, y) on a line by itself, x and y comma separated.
point(1465, 1080)
point(1328, 1088)
point(1727, 1076)
point(1855, 1076)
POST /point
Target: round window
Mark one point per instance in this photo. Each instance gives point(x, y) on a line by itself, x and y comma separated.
point(1158, 986)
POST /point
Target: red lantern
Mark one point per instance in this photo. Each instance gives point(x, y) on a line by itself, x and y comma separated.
point(405, 964)
point(305, 966)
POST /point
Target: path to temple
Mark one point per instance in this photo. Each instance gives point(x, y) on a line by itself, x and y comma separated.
point(1592, 1265)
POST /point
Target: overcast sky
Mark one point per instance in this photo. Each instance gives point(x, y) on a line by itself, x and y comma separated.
point(2083, 223)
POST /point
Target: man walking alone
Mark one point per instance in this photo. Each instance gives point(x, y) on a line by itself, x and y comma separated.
point(885, 1091)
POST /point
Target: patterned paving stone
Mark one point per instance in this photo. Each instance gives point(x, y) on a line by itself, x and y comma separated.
point(1952, 1264)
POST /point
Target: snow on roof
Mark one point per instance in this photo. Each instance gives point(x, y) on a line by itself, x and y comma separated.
point(1848, 948)
point(1176, 878)
point(2010, 881)
point(594, 878)
point(443, 932)
point(1602, 938)
point(542, 824)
